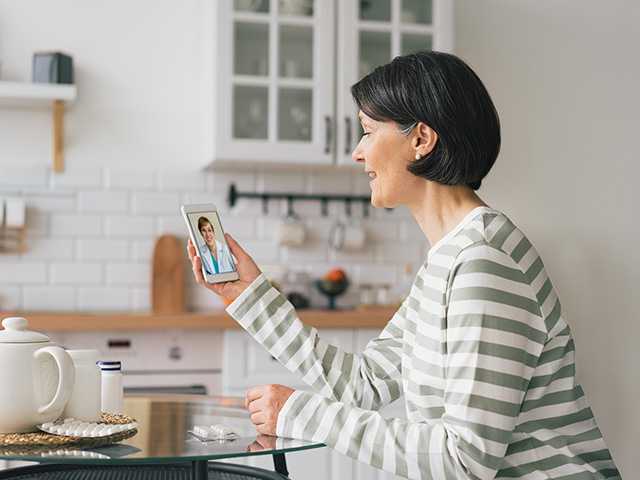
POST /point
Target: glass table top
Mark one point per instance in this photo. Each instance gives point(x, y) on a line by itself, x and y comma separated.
point(163, 425)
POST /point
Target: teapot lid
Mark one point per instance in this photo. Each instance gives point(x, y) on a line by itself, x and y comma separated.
point(15, 331)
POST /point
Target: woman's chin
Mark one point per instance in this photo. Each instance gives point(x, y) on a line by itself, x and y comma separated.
point(378, 201)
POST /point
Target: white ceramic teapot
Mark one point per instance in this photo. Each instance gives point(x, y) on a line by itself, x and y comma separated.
point(36, 378)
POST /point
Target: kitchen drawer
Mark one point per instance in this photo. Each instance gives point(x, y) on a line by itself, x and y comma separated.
point(247, 363)
point(165, 350)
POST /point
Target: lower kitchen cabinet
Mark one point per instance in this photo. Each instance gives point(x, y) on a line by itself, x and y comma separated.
point(247, 363)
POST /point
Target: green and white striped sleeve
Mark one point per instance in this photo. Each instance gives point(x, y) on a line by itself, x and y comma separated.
point(493, 338)
point(369, 380)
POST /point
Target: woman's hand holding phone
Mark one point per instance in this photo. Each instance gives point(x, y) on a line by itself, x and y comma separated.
point(248, 271)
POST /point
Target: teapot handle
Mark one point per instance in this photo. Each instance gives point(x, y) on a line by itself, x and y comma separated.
point(66, 378)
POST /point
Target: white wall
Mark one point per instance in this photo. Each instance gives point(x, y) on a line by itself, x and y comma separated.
point(564, 76)
point(127, 57)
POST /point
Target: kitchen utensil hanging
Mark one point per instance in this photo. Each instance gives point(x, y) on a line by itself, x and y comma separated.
point(234, 195)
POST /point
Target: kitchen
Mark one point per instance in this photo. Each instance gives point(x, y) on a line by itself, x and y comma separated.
point(149, 127)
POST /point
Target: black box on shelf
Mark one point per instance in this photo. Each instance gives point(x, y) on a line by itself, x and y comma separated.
point(52, 67)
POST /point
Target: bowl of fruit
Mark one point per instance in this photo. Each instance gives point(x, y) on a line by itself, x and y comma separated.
point(333, 284)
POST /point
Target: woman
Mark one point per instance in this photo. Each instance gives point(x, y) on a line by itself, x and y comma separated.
point(479, 348)
point(216, 256)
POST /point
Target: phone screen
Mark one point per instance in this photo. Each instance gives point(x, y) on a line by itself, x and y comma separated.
point(211, 244)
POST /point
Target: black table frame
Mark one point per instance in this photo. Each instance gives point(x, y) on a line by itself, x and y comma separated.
point(199, 468)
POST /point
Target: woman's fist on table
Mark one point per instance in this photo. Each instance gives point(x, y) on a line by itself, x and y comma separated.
point(264, 404)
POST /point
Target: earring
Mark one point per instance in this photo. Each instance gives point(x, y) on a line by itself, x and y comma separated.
point(417, 156)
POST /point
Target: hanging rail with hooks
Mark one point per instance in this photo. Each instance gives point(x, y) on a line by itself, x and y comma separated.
point(234, 195)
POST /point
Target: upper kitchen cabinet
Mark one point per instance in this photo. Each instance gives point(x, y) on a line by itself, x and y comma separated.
point(282, 70)
point(275, 81)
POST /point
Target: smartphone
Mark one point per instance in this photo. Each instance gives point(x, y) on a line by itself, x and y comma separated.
point(207, 236)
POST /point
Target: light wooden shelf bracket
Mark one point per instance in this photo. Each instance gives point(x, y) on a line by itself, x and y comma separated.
point(58, 136)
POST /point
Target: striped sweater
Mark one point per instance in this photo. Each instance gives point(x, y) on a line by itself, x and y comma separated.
point(481, 353)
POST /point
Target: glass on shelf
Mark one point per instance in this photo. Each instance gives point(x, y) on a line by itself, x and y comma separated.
point(416, 11)
point(375, 10)
point(294, 114)
point(375, 50)
point(253, 6)
point(251, 56)
point(250, 112)
point(411, 43)
point(302, 8)
point(296, 51)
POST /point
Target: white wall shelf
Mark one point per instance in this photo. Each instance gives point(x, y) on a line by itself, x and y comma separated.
point(42, 95)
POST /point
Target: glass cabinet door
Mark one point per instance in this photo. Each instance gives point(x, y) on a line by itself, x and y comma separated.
point(372, 33)
point(276, 81)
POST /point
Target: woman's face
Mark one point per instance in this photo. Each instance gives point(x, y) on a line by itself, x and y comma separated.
point(208, 234)
point(386, 152)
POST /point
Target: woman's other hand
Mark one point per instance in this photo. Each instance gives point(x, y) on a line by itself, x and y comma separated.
point(248, 271)
point(264, 404)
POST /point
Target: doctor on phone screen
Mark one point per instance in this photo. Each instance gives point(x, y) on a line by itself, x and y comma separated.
point(216, 257)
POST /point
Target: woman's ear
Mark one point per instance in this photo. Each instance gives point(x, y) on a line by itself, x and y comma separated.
point(424, 139)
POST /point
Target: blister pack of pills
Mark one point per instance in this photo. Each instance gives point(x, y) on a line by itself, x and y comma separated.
point(77, 428)
point(213, 432)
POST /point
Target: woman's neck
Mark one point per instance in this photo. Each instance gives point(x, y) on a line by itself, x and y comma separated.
point(439, 208)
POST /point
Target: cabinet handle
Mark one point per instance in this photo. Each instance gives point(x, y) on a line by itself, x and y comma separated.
point(328, 134)
point(347, 135)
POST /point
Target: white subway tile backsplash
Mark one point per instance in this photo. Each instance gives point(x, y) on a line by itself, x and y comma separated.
point(156, 203)
point(129, 226)
point(10, 298)
point(70, 264)
point(65, 202)
point(381, 230)
point(142, 250)
point(400, 252)
point(77, 178)
point(108, 202)
point(17, 178)
point(190, 182)
point(410, 230)
point(267, 228)
point(51, 248)
point(101, 249)
point(128, 273)
point(130, 180)
point(173, 225)
point(104, 298)
point(204, 197)
point(239, 228)
point(218, 182)
point(261, 251)
point(141, 300)
point(360, 183)
point(330, 183)
point(75, 225)
point(201, 299)
point(376, 274)
point(22, 272)
point(75, 273)
point(281, 182)
point(350, 257)
point(49, 298)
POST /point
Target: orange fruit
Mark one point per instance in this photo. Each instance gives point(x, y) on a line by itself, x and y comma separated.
point(335, 275)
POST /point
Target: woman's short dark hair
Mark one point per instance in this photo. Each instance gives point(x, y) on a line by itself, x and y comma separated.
point(438, 89)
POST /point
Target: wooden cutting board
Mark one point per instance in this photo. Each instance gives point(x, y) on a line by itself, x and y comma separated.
point(167, 278)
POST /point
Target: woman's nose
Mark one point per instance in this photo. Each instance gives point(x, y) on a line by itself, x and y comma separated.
point(357, 154)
